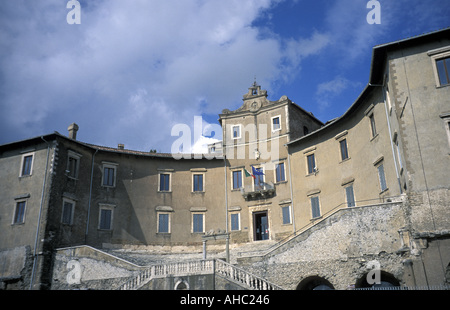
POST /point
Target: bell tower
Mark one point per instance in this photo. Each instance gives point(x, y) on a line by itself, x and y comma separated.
point(255, 91)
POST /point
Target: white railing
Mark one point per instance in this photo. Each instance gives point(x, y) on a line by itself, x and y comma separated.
point(243, 277)
point(164, 270)
point(211, 266)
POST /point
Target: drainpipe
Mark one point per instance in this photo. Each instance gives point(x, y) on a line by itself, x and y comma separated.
point(90, 198)
point(227, 246)
point(290, 187)
point(39, 217)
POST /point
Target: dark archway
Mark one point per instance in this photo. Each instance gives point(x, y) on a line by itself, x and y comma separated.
point(314, 283)
point(387, 280)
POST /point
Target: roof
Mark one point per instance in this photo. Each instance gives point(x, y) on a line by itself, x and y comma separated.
point(54, 135)
point(377, 69)
point(379, 51)
point(332, 122)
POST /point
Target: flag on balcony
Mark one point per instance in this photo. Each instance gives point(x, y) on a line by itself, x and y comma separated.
point(248, 174)
point(256, 172)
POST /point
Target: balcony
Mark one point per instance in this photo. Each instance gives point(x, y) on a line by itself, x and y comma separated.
point(262, 190)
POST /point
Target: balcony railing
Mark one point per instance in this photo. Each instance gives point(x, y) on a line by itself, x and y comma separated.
point(257, 191)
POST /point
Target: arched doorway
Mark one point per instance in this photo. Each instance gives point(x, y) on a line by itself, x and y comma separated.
point(181, 285)
point(314, 283)
point(386, 280)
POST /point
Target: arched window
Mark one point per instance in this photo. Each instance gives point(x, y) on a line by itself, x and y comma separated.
point(386, 280)
point(314, 283)
point(181, 285)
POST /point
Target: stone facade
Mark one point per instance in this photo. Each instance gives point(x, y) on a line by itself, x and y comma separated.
point(290, 201)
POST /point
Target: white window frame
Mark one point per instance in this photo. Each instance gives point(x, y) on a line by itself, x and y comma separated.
point(232, 132)
point(289, 208)
point(276, 164)
point(32, 154)
point(165, 171)
point(104, 206)
point(72, 202)
point(232, 179)
point(373, 125)
point(77, 157)
point(346, 149)
point(238, 221)
point(436, 55)
point(315, 169)
point(272, 125)
point(16, 202)
point(203, 214)
point(446, 118)
point(193, 181)
point(169, 222)
point(110, 166)
point(377, 166)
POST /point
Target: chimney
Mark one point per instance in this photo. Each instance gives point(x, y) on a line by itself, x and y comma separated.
point(121, 146)
point(73, 128)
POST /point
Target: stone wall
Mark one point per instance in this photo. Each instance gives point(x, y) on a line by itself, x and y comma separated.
point(87, 268)
point(342, 249)
point(15, 268)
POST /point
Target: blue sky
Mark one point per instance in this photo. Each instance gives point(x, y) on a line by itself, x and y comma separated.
point(132, 70)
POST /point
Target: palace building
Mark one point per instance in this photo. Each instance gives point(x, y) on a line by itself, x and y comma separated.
point(284, 199)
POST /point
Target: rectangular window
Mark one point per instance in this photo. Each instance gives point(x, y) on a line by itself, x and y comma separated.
point(311, 164)
point(73, 164)
point(19, 214)
point(372, 125)
point(447, 127)
point(315, 207)
point(67, 212)
point(280, 173)
point(198, 183)
point(108, 176)
point(237, 179)
point(350, 196)
point(234, 221)
point(236, 131)
point(164, 182)
point(276, 125)
point(27, 165)
point(382, 178)
point(344, 150)
point(443, 69)
point(286, 212)
point(198, 222)
point(105, 221)
point(163, 223)
point(72, 167)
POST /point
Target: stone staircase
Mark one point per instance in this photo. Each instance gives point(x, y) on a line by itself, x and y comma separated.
point(170, 269)
point(243, 277)
point(212, 266)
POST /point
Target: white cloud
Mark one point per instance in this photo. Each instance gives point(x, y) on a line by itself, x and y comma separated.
point(133, 69)
point(327, 92)
point(201, 145)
